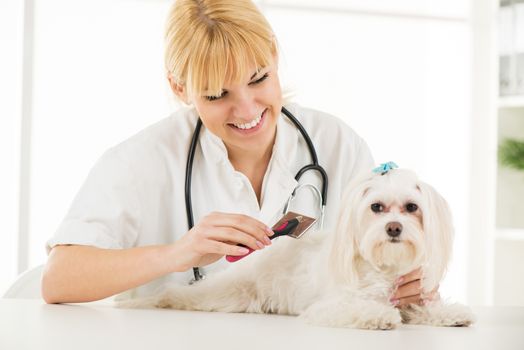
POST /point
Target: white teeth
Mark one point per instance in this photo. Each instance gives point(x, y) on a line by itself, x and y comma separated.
point(249, 125)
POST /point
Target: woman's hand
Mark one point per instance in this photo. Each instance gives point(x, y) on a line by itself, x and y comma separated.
point(408, 290)
point(218, 234)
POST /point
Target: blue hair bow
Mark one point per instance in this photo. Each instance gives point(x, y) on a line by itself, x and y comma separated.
point(385, 167)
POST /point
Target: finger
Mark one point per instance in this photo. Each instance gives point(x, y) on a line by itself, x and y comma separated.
point(435, 297)
point(419, 299)
point(228, 234)
point(413, 299)
point(216, 247)
point(230, 219)
point(245, 224)
point(435, 290)
point(408, 289)
point(413, 275)
point(431, 296)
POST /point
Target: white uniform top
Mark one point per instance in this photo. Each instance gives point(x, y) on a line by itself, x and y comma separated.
point(134, 195)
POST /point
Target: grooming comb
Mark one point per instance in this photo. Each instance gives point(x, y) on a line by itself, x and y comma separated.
point(292, 225)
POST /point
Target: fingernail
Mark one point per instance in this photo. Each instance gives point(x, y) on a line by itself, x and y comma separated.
point(260, 245)
point(267, 240)
point(269, 231)
point(399, 280)
point(394, 289)
point(242, 250)
point(394, 302)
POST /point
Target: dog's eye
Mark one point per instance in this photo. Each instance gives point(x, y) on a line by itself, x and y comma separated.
point(377, 207)
point(411, 207)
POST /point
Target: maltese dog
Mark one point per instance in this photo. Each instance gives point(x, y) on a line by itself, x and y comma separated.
point(390, 223)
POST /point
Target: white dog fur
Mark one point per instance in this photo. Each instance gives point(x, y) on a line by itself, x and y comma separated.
point(344, 278)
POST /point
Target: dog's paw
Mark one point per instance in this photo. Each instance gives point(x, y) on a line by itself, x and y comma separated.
point(454, 315)
point(441, 315)
point(383, 318)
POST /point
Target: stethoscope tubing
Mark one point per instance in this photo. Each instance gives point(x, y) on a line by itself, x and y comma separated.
point(313, 153)
point(189, 170)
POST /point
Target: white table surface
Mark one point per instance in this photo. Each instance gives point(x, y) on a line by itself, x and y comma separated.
point(31, 324)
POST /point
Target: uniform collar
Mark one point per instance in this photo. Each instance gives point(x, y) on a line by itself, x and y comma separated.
point(213, 148)
point(279, 180)
point(286, 143)
point(284, 149)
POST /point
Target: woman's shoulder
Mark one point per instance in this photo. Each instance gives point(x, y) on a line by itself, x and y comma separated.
point(177, 126)
point(166, 138)
point(321, 124)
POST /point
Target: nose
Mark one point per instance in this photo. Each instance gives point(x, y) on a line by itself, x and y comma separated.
point(244, 105)
point(394, 229)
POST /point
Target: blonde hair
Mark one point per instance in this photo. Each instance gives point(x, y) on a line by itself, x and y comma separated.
point(210, 42)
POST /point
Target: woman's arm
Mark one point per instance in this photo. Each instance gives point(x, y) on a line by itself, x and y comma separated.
point(82, 273)
point(76, 273)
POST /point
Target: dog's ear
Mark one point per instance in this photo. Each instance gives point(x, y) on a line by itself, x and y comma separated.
point(438, 236)
point(343, 248)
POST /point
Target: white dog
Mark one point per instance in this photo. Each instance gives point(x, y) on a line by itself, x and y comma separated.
point(389, 225)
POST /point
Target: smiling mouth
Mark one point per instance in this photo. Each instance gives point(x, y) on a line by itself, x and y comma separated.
point(394, 240)
point(251, 125)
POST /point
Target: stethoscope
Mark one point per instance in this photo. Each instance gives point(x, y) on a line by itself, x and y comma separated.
point(322, 196)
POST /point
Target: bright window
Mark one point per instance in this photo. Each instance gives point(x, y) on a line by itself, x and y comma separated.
point(11, 39)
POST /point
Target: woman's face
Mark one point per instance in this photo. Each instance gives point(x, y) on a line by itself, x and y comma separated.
point(244, 116)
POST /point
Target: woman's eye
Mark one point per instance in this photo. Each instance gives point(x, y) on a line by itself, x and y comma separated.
point(411, 207)
point(224, 93)
point(377, 207)
point(259, 80)
point(214, 98)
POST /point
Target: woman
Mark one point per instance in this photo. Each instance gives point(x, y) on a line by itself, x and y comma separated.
point(127, 231)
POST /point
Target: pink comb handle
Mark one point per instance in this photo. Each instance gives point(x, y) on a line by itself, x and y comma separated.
point(233, 258)
point(282, 226)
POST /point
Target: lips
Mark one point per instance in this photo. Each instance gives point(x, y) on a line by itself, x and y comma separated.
point(249, 128)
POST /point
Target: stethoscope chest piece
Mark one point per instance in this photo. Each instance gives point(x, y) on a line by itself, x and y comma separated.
point(321, 206)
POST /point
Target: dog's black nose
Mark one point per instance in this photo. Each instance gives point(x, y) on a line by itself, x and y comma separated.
point(394, 229)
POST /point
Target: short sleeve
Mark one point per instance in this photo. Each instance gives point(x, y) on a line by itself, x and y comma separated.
point(105, 213)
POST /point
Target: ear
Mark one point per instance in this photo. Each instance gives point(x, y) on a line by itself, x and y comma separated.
point(438, 235)
point(178, 89)
point(343, 253)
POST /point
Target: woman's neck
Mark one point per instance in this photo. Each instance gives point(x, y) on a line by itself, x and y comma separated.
point(253, 164)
